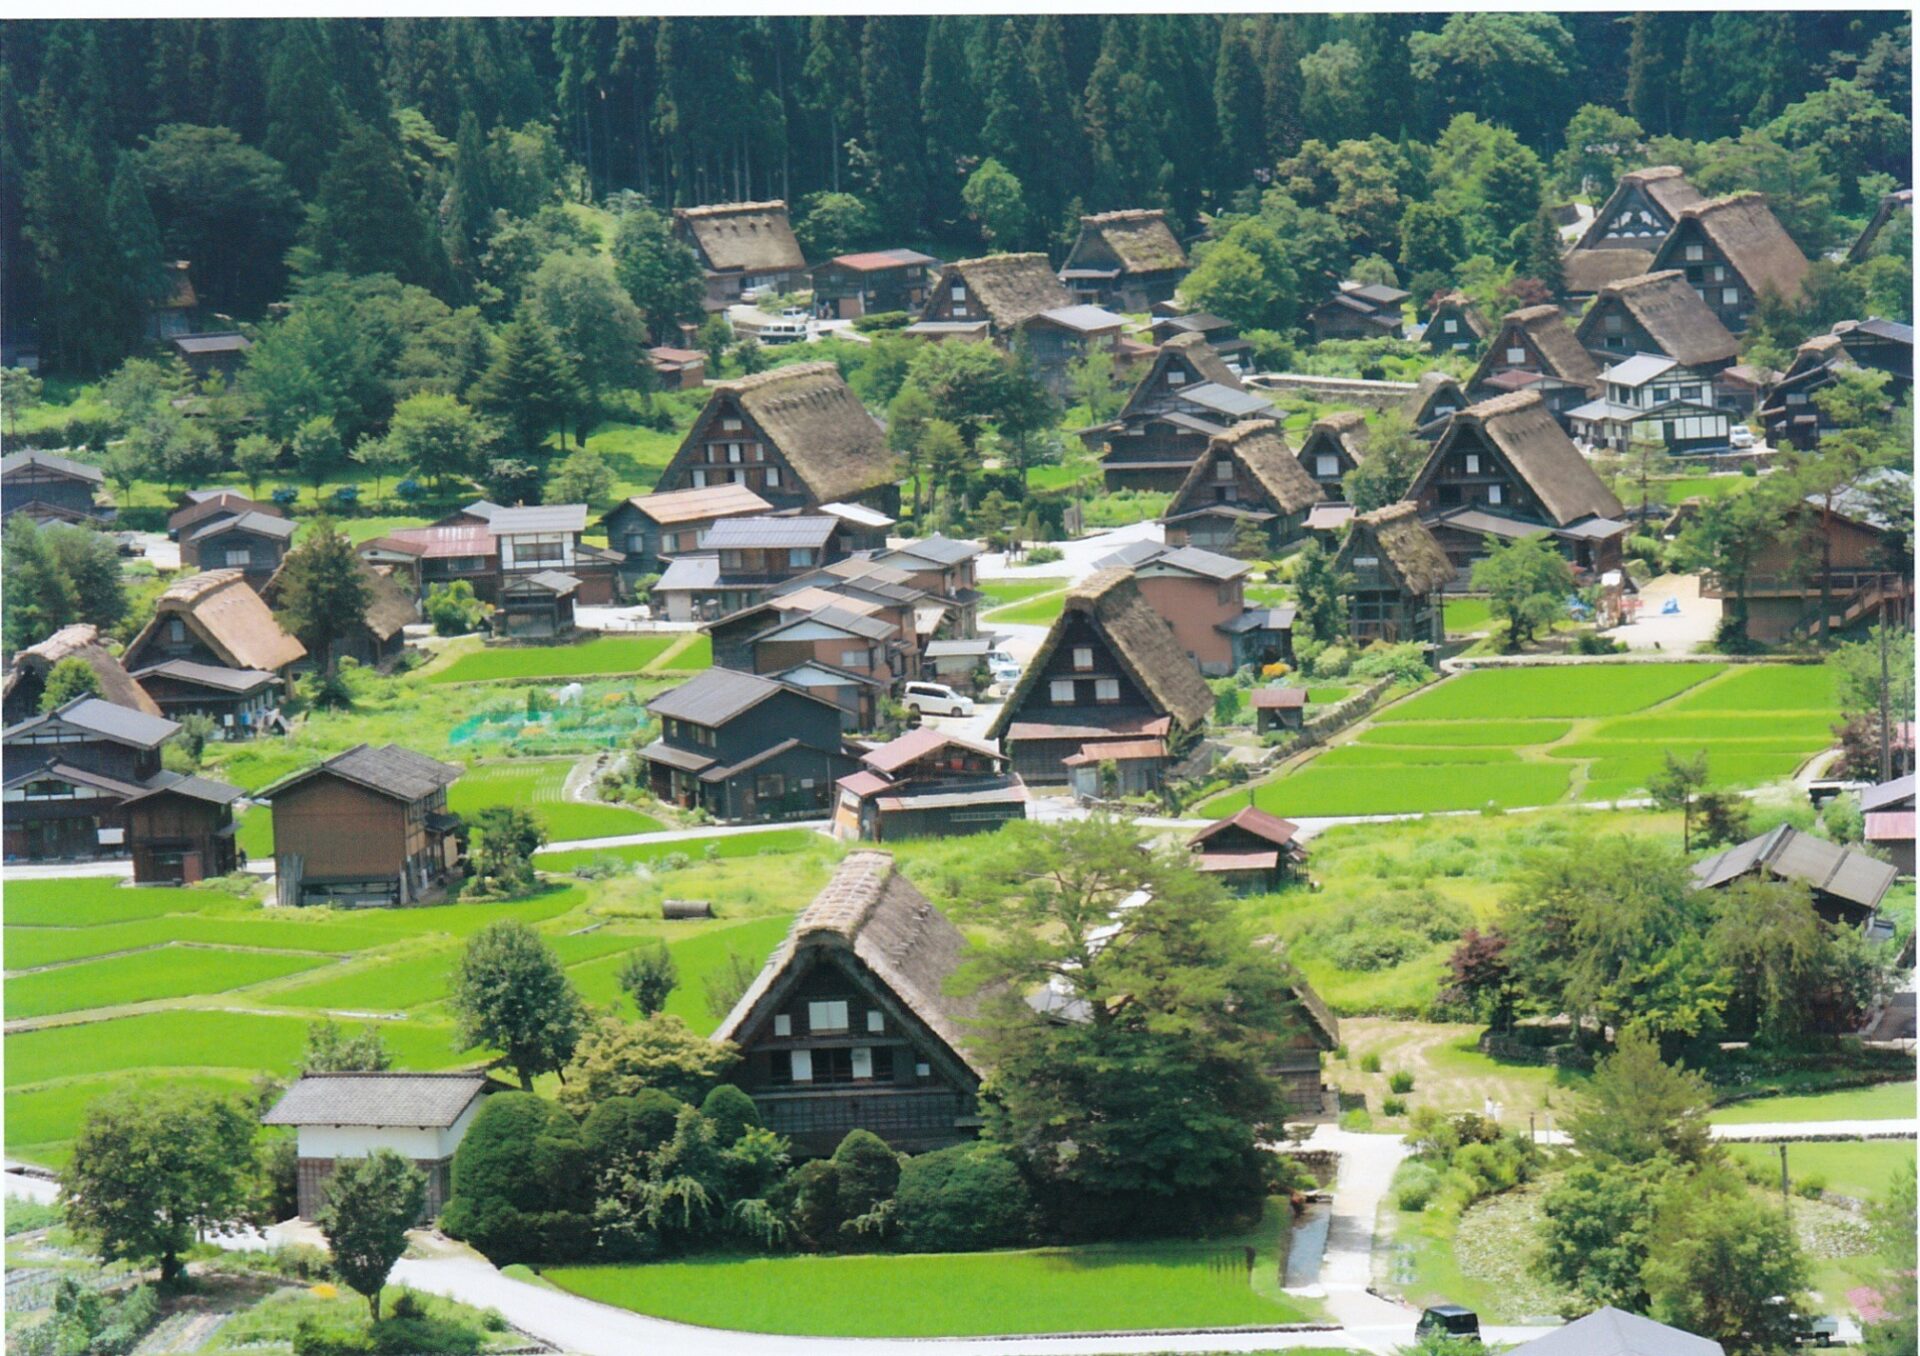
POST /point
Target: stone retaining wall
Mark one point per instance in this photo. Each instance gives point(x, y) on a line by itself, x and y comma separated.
point(1377, 395)
point(1548, 661)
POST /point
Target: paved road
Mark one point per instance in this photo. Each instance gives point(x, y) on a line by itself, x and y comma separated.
point(681, 835)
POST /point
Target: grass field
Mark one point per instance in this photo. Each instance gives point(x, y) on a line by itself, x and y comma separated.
point(1882, 1102)
point(1465, 616)
point(1105, 1288)
point(233, 985)
point(540, 786)
point(1038, 608)
point(1862, 1169)
point(1003, 592)
point(1510, 738)
point(601, 655)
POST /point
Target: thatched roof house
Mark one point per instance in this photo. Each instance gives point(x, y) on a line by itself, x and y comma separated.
point(1543, 334)
point(1405, 547)
point(867, 960)
point(1734, 249)
point(1456, 325)
point(750, 236)
point(1266, 486)
point(390, 610)
point(1532, 443)
point(797, 436)
point(997, 293)
point(26, 675)
point(1128, 259)
point(1628, 230)
point(1657, 313)
point(1335, 445)
point(1434, 398)
point(1398, 570)
point(215, 617)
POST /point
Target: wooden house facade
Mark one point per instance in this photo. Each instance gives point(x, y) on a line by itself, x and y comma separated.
point(989, 298)
point(1198, 593)
point(1732, 250)
point(241, 703)
point(1247, 478)
point(214, 618)
point(1127, 260)
point(1658, 314)
point(1535, 350)
point(1399, 572)
point(927, 784)
point(739, 562)
point(1186, 397)
point(743, 247)
point(745, 747)
point(1359, 311)
point(69, 774)
point(876, 282)
point(1110, 672)
point(250, 542)
point(796, 436)
point(1456, 326)
point(1054, 340)
point(1628, 230)
point(1505, 469)
point(849, 1026)
point(1222, 336)
point(180, 831)
point(1435, 398)
point(367, 827)
point(1788, 411)
point(1250, 852)
point(51, 487)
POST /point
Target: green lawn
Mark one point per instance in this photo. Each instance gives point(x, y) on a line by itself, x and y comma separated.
point(1882, 1102)
point(1039, 610)
point(695, 957)
point(540, 786)
point(1862, 1169)
point(1538, 736)
point(601, 655)
point(1002, 592)
point(1116, 1287)
point(164, 972)
point(1466, 616)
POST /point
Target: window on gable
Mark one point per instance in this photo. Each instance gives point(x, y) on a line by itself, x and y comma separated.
point(1106, 689)
point(1696, 253)
point(1451, 327)
point(1325, 466)
point(1060, 691)
point(827, 1015)
point(773, 477)
point(1083, 656)
point(800, 1065)
point(782, 1024)
point(1729, 296)
point(1516, 355)
point(176, 631)
point(1493, 494)
point(1473, 463)
point(1223, 469)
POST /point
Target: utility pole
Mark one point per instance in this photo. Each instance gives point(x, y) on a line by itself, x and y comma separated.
point(1786, 1195)
point(1886, 712)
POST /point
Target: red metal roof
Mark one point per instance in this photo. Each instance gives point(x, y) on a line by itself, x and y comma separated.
point(1255, 821)
point(918, 743)
point(456, 539)
point(1890, 826)
point(864, 784)
point(1278, 698)
point(1119, 750)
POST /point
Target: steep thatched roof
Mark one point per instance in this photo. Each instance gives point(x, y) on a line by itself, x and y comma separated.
point(1666, 185)
point(1139, 241)
point(810, 413)
point(390, 608)
point(1009, 287)
point(1431, 386)
point(221, 608)
point(745, 236)
point(1744, 229)
point(869, 909)
point(1525, 431)
point(1404, 544)
point(81, 641)
point(1461, 305)
point(1671, 312)
point(1141, 641)
point(1198, 363)
point(1546, 328)
point(1260, 446)
point(1346, 427)
point(1584, 272)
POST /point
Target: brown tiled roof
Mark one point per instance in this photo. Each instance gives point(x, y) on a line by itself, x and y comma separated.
point(1672, 314)
point(393, 771)
point(222, 609)
point(82, 641)
point(1009, 287)
point(821, 428)
point(1744, 229)
point(1525, 431)
point(871, 910)
point(1405, 543)
point(1142, 642)
point(749, 236)
point(711, 501)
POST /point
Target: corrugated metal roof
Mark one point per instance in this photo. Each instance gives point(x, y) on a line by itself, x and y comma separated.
point(1083, 318)
point(52, 461)
point(768, 533)
point(121, 724)
point(937, 550)
point(395, 1099)
point(513, 522)
point(1785, 851)
point(197, 788)
point(210, 675)
point(708, 501)
point(689, 572)
point(1279, 698)
point(392, 771)
point(1213, 396)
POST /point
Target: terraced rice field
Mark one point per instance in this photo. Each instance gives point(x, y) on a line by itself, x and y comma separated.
point(541, 786)
point(1028, 602)
point(602, 655)
point(1539, 736)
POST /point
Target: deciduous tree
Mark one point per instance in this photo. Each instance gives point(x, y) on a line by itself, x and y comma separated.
point(371, 1203)
point(323, 591)
point(510, 994)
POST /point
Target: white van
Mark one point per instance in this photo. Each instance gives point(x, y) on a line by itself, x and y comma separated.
point(936, 699)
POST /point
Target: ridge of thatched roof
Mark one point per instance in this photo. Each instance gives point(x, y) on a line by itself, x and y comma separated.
point(1462, 305)
point(1524, 430)
point(82, 641)
point(1672, 314)
point(1140, 639)
point(812, 416)
point(871, 910)
point(222, 609)
point(1260, 446)
point(1346, 427)
point(742, 235)
point(1424, 390)
point(1404, 542)
point(1201, 362)
point(1009, 287)
point(1584, 272)
point(1552, 337)
point(1138, 238)
point(1666, 185)
point(1744, 229)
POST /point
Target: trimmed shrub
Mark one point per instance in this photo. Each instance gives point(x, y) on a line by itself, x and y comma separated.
point(1415, 1188)
point(1370, 1062)
point(1400, 1081)
point(731, 1111)
point(962, 1199)
point(522, 1185)
point(1393, 1106)
point(622, 1130)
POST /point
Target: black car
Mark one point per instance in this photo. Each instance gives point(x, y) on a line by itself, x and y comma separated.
point(1448, 1320)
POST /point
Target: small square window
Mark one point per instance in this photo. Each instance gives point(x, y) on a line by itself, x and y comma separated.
point(730, 425)
point(1695, 253)
point(773, 477)
point(1083, 656)
point(1516, 355)
point(1325, 466)
point(1106, 689)
point(1729, 296)
point(876, 1020)
point(827, 1015)
point(923, 1070)
point(959, 292)
point(1451, 327)
point(802, 1065)
point(1473, 463)
point(782, 1024)
point(1060, 691)
point(1493, 494)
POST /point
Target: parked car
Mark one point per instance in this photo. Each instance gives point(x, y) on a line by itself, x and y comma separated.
point(1741, 436)
point(1448, 1320)
point(1003, 666)
point(936, 699)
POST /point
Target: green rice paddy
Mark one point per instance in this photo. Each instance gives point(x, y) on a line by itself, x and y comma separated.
point(1001, 592)
point(1038, 608)
point(1520, 737)
point(540, 786)
point(599, 656)
point(141, 976)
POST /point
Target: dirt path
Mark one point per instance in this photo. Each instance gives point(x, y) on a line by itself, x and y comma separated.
point(1443, 1076)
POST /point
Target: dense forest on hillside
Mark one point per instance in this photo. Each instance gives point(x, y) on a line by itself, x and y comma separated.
point(440, 151)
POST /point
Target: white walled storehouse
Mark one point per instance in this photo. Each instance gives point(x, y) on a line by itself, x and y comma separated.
point(420, 1116)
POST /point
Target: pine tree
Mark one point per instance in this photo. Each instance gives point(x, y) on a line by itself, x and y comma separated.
point(896, 179)
point(1541, 258)
point(1054, 121)
point(470, 200)
point(530, 387)
point(140, 276)
point(1238, 95)
point(1009, 102)
point(1280, 55)
point(828, 87)
point(950, 113)
point(65, 210)
point(304, 117)
point(363, 218)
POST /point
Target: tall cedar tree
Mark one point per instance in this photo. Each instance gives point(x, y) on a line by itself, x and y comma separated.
point(469, 210)
point(323, 591)
point(830, 86)
point(371, 1203)
point(895, 174)
point(530, 387)
point(1238, 96)
point(65, 209)
point(139, 277)
point(304, 114)
point(950, 114)
point(363, 218)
